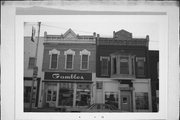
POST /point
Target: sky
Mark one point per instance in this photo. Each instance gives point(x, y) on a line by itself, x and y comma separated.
point(103, 25)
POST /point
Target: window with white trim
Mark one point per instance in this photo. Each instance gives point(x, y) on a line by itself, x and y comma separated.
point(140, 66)
point(54, 58)
point(69, 59)
point(104, 65)
point(84, 59)
point(122, 65)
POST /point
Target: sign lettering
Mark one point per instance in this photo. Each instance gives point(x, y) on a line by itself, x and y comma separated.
point(68, 76)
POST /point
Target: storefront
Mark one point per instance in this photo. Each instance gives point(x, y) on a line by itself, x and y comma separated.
point(127, 95)
point(27, 92)
point(67, 89)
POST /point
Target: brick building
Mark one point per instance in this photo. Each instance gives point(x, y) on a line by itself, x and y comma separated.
point(29, 64)
point(154, 74)
point(122, 72)
point(68, 70)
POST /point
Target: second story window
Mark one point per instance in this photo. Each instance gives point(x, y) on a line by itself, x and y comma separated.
point(122, 64)
point(31, 62)
point(54, 58)
point(69, 59)
point(54, 61)
point(140, 66)
point(104, 65)
point(84, 62)
point(84, 59)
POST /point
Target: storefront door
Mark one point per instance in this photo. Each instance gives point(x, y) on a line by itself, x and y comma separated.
point(51, 94)
point(125, 101)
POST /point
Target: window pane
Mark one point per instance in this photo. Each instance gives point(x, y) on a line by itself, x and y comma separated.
point(124, 65)
point(140, 67)
point(84, 61)
point(104, 66)
point(99, 85)
point(54, 61)
point(31, 62)
point(111, 98)
point(69, 61)
point(114, 65)
point(141, 101)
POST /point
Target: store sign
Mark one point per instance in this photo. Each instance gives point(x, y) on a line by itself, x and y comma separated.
point(68, 76)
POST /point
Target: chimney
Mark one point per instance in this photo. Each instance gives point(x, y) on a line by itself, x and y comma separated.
point(98, 36)
point(147, 37)
point(94, 34)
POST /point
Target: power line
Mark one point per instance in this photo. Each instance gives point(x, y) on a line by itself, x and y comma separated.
point(67, 29)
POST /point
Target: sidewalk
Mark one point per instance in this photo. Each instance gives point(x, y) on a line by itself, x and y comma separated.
point(40, 110)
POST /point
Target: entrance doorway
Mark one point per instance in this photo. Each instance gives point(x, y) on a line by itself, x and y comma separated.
point(51, 93)
point(126, 101)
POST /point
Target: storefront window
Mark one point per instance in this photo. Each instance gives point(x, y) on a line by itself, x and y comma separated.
point(111, 98)
point(65, 94)
point(83, 94)
point(142, 101)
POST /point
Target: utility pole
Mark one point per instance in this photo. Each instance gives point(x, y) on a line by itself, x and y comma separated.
point(35, 69)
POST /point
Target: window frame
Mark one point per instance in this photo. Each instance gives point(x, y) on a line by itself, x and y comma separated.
point(140, 59)
point(84, 52)
point(69, 52)
point(131, 64)
point(108, 59)
point(30, 64)
point(99, 83)
point(54, 51)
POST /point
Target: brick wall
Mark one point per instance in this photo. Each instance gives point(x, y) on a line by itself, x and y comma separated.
point(77, 58)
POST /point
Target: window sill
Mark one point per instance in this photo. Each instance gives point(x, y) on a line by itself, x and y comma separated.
point(84, 69)
point(122, 76)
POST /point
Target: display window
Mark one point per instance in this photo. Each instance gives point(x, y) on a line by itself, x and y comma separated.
point(111, 98)
point(65, 97)
point(83, 94)
point(142, 101)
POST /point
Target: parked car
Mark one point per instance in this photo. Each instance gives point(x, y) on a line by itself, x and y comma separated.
point(98, 107)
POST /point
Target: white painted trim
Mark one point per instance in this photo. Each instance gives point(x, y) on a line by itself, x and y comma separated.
point(84, 52)
point(69, 51)
point(51, 60)
point(54, 51)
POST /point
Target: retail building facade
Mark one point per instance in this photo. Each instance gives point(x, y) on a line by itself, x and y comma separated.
point(68, 70)
point(122, 72)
